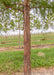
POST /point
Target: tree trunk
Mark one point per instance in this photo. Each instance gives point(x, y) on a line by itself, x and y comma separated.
point(19, 36)
point(27, 39)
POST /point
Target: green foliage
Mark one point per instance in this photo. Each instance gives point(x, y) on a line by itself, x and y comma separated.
point(35, 22)
point(49, 21)
point(12, 25)
point(43, 7)
point(1, 27)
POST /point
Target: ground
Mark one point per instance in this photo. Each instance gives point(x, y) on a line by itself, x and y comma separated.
point(37, 71)
point(43, 59)
point(16, 48)
point(42, 55)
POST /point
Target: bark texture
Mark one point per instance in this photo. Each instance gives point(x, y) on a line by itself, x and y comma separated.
point(27, 39)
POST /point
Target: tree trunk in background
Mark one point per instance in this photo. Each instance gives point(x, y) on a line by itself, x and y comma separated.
point(19, 36)
point(27, 39)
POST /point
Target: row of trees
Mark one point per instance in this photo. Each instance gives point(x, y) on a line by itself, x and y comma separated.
point(16, 22)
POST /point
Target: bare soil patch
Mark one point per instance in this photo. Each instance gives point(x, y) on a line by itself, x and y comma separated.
point(43, 46)
point(16, 48)
point(36, 71)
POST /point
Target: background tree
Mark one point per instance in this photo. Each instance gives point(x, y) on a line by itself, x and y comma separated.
point(19, 21)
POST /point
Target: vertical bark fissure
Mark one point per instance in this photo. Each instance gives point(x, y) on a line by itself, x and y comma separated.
point(27, 39)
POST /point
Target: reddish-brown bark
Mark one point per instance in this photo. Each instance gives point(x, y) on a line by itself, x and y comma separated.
point(27, 39)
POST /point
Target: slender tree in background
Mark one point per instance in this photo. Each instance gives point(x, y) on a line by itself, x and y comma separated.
point(41, 6)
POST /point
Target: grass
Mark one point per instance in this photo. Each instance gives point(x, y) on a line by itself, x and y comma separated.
point(35, 39)
point(13, 61)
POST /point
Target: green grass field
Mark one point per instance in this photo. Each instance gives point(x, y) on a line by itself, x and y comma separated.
point(13, 61)
point(36, 39)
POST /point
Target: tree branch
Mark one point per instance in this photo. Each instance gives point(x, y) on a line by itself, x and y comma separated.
point(40, 7)
point(7, 6)
point(35, 2)
point(17, 4)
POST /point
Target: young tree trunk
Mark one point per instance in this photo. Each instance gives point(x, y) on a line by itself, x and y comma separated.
point(19, 36)
point(27, 39)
